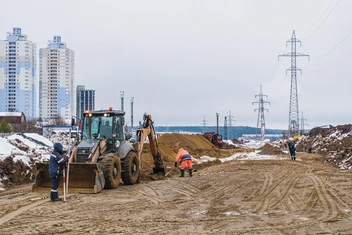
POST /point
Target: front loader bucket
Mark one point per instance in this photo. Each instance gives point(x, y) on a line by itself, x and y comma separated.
point(85, 178)
point(42, 182)
point(82, 178)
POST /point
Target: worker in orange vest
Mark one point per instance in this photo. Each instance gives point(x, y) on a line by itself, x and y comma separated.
point(186, 161)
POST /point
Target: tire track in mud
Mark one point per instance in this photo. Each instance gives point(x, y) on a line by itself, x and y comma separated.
point(147, 192)
point(329, 205)
point(218, 195)
point(229, 184)
point(189, 187)
point(336, 193)
point(269, 192)
point(22, 209)
point(12, 194)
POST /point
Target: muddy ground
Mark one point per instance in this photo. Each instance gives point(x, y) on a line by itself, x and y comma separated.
point(307, 196)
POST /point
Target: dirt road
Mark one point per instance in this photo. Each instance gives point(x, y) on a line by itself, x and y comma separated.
point(239, 197)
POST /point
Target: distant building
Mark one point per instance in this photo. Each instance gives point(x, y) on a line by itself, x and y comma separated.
point(85, 100)
point(17, 120)
point(56, 81)
point(18, 74)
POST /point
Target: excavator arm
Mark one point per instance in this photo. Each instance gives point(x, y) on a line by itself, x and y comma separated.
point(147, 130)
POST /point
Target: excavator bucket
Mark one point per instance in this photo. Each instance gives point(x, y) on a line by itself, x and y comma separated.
point(157, 170)
point(82, 178)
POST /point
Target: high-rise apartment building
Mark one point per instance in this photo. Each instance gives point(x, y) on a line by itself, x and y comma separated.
point(18, 74)
point(56, 81)
point(85, 100)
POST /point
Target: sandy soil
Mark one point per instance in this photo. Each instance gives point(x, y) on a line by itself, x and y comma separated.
point(307, 196)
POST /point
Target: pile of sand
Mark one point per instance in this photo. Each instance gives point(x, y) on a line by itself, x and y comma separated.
point(170, 143)
point(268, 149)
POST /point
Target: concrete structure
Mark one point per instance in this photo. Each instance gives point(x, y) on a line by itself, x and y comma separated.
point(56, 81)
point(18, 74)
point(85, 100)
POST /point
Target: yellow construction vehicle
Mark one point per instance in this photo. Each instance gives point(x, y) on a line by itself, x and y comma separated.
point(102, 155)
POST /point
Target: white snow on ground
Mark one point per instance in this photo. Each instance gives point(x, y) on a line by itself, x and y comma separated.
point(251, 156)
point(6, 149)
point(40, 138)
point(38, 152)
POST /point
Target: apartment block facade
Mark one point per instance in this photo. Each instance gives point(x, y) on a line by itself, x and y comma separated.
point(56, 81)
point(85, 100)
point(18, 74)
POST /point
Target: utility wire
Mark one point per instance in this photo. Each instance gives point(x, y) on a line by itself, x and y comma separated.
point(332, 63)
point(274, 71)
point(321, 57)
point(343, 15)
point(273, 74)
point(323, 21)
point(319, 17)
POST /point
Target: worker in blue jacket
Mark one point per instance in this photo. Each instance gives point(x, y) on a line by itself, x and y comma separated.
point(56, 164)
point(292, 151)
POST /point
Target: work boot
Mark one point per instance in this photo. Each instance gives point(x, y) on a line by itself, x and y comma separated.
point(52, 195)
point(182, 173)
point(56, 199)
point(190, 172)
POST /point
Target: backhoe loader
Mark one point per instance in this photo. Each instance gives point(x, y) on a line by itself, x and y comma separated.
point(102, 155)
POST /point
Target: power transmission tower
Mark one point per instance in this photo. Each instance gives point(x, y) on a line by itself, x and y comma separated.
point(122, 94)
point(204, 124)
point(303, 124)
point(225, 129)
point(132, 99)
point(261, 110)
point(293, 123)
point(217, 123)
point(230, 119)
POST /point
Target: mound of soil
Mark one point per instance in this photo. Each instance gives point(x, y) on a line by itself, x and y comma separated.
point(268, 149)
point(14, 173)
point(335, 143)
point(170, 143)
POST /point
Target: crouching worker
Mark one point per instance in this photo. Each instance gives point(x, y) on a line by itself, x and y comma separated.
point(56, 164)
point(186, 161)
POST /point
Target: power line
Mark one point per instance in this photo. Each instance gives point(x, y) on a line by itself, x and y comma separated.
point(332, 63)
point(322, 21)
point(322, 56)
point(337, 21)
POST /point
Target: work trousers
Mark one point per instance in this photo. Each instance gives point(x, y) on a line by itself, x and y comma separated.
point(186, 163)
point(55, 182)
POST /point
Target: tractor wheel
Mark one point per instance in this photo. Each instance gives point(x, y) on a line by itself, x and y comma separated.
point(130, 169)
point(112, 170)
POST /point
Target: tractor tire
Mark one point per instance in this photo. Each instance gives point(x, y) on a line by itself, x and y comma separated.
point(130, 169)
point(112, 170)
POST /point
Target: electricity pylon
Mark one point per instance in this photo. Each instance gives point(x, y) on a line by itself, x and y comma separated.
point(261, 110)
point(293, 122)
point(303, 124)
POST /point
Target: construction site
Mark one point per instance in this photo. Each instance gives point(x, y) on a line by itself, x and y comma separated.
point(97, 172)
point(239, 190)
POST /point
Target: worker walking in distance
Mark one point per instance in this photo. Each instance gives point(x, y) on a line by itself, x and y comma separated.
point(186, 161)
point(56, 164)
point(292, 150)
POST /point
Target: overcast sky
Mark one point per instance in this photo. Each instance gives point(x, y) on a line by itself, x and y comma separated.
point(186, 60)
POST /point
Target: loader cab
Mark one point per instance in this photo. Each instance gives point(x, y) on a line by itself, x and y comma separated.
point(103, 124)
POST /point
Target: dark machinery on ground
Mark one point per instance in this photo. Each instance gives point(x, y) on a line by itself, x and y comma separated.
point(102, 155)
point(215, 139)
